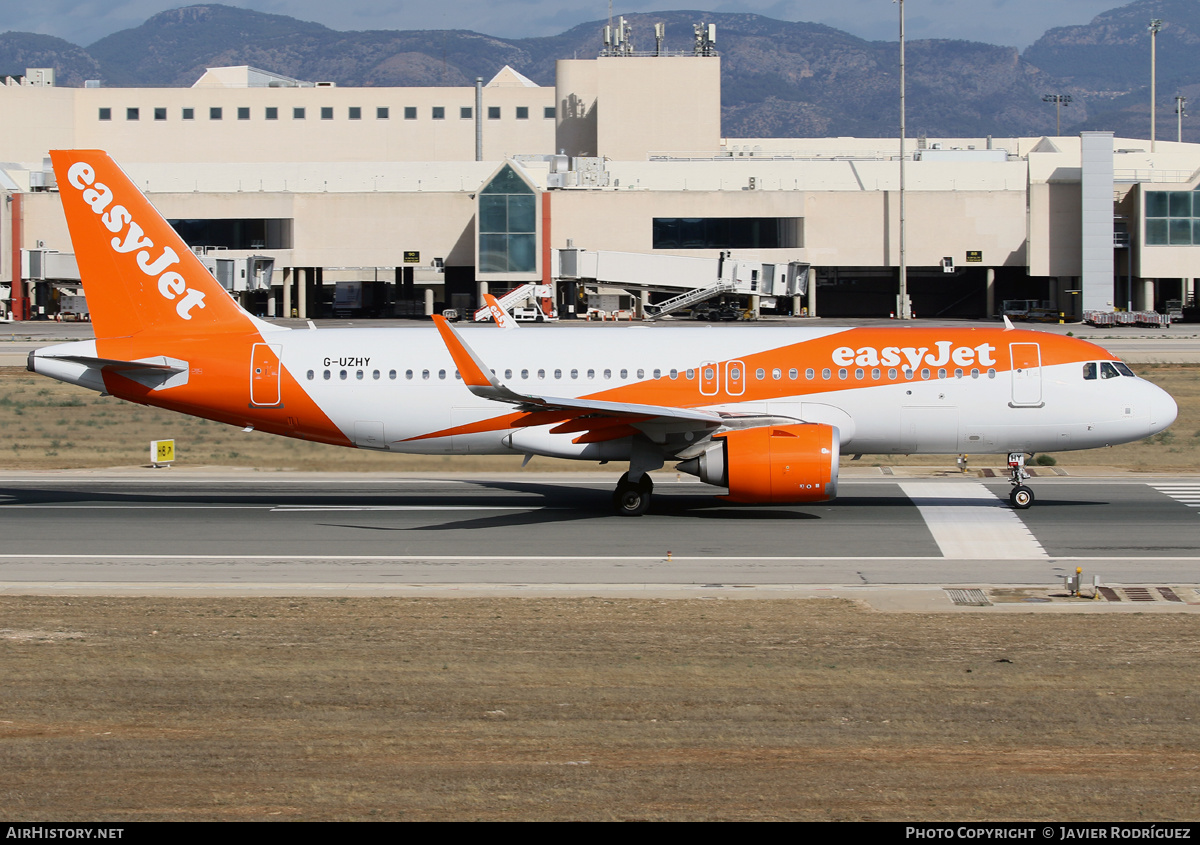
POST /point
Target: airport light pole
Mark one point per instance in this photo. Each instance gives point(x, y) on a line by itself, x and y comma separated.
point(1180, 114)
point(903, 311)
point(1155, 26)
point(1059, 101)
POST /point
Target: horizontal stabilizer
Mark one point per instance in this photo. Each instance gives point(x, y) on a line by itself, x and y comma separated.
point(159, 364)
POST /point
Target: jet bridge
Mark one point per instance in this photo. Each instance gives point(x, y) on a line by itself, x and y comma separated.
point(694, 280)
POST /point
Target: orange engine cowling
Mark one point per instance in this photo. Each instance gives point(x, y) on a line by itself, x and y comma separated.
point(784, 464)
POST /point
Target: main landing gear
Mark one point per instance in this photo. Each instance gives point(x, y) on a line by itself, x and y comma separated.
point(632, 498)
point(1021, 497)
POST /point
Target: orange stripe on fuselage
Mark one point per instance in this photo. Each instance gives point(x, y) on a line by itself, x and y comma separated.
point(218, 386)
point(819, 354)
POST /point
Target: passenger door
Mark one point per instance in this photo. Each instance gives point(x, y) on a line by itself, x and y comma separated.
point(264, 375)
point(1026, 375)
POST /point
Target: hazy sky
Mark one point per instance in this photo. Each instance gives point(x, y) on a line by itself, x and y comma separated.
point(1010, 22)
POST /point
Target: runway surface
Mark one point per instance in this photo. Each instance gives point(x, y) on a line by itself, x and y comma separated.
point(361, 532)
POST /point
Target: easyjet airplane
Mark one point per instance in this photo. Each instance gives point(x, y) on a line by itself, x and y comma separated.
point(764, 412)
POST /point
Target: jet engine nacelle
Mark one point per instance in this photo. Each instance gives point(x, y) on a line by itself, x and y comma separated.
point(784, 464)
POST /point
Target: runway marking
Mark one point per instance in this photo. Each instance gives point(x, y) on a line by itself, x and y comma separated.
point(1185, 494)
point(968, 522)
point(134, 505)
point(340, 508)
point(418, 558)
point(276, 508)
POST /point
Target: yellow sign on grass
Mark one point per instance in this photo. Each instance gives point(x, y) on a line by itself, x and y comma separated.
point(162, 452)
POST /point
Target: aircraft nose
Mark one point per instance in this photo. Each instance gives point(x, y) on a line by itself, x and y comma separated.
point(1163, 410)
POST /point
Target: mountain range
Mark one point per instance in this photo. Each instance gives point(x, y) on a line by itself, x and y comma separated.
point(779, 78)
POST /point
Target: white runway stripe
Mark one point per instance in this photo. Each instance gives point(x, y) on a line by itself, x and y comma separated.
point(1185, 494)
point(969, 522)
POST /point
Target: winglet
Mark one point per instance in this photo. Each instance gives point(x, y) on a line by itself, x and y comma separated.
point(477, 377)
point(503, 319)
point(1007, 323)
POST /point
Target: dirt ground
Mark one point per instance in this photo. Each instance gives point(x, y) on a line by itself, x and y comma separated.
point(540, 709)
point(537, 708)
point(51, 425)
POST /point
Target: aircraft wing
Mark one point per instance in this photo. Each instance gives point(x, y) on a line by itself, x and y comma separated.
point(482, 382)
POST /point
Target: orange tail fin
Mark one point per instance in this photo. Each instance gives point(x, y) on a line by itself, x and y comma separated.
point(138, 274)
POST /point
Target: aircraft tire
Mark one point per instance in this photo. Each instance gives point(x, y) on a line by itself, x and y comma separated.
point(632, 499)
point(1021, 497)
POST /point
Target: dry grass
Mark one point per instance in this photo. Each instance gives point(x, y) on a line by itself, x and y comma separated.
point(402, 708)
point(51, 425)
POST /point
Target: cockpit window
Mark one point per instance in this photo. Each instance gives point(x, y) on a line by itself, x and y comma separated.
point(1123, 369)
point(1107, 370)
point(1089, 371)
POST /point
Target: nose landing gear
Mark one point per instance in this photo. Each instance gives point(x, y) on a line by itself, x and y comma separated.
point(1021, 497)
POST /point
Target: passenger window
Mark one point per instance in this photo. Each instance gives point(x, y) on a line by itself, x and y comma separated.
point(974, 372)
point(327, 374)
point(507, 375)
point(826, 373)
point(458, 375)
point(843, 373)
point(441, 374)
point(908, 373)
point(941, 372)
point(608, 374)
point(875, 373)
point(558, 374)
point(892, 373)
point(1107, 370)
point(760, 374)
point(925, 372)
point(591, 374)
point(574, 373)
point(343, 374)
point(793, 374)
point(958, 373)
point(991, 372)
point(1089, 371)
point(859, 373)
point(708, 373)
point(674, 374)
point(392, 375)
point(810, 374)
point(425, 375)
point(777, 374)
point(408, 374)
point(311, 374)
point(691, 374)
point(658, 373)
point(359, 375)
point(375, 375)
point(541, 374)
point(735, 373)
point(524, 374)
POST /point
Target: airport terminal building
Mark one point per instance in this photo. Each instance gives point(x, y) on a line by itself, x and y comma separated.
point(310, 199)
